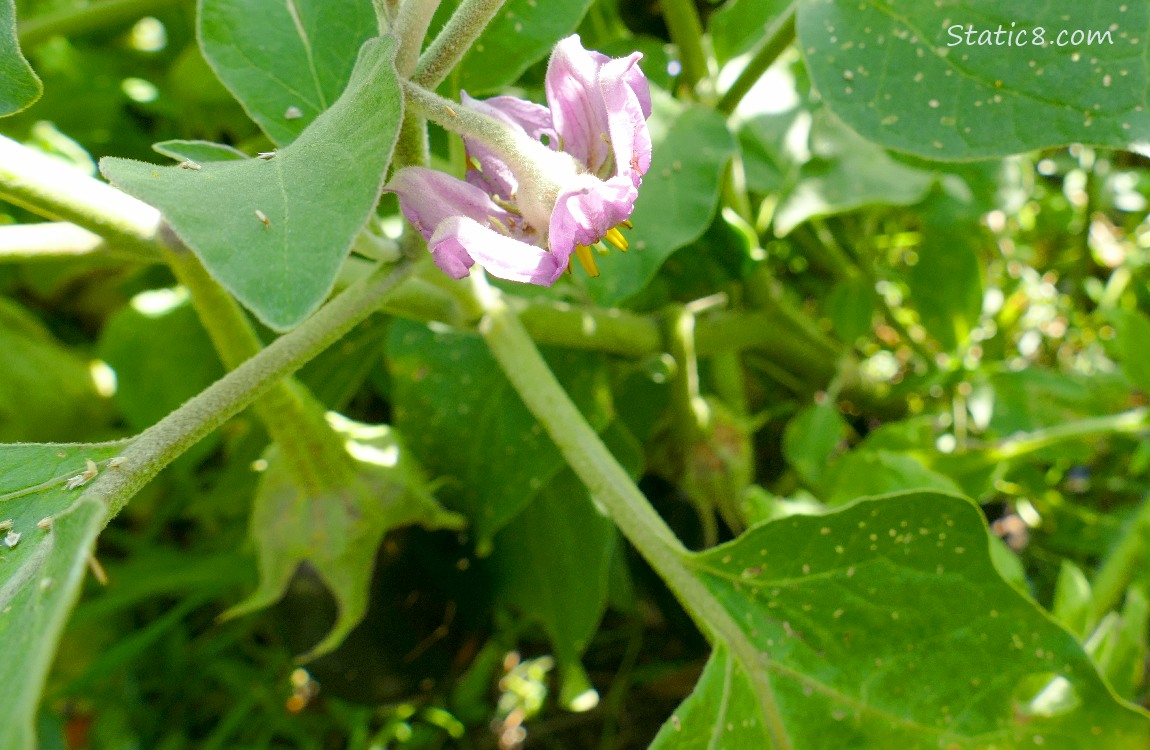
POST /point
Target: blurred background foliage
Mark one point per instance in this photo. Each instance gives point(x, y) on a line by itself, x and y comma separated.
point(884, 323)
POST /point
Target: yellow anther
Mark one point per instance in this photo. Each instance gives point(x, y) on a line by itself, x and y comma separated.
point(627, 223)
point(616, 238)
point(587, 259)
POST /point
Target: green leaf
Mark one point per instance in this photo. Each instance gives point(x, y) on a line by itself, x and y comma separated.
point(466, 423)
point(1132, 332)
point(846, 173)
point(198, 151)
point(552, 563)
point(19, 85)
point(676, 201)
point(522, 33)
point(812, 437)
point(337, 532)
point(1072, 598)
point(739, 24)
point(864, 473)
point(895, 73)
point(886, 625)
point(46, 390)
point(275, 231)
point(40, 575)
point(851, 307)
point(276, 56)
point(946, 282)
point(1118, 645)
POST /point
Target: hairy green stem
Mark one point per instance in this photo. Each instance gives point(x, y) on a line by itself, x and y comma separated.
point(160, 444)
point(687, 33)
point(57, 239)
point(613, 490)
point(53, 189)
point(777, 38)
point(411, 27)
point(453, 41)
point(87, 18)
point(294, 419)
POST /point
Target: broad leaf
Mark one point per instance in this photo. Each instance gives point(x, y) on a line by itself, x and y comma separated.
point(19, 85)
point(42, 568)
point(845, 174)
point(338, 532)
point(946, 282)
point(466, 423)
point(198, 151)
point(286, 62)
point(865, 472)
point(811, 439)
point(676, 201)
point(886, 624)
point(275, 231)
point(1133, 331)
point(904, 76)
point(522, 33)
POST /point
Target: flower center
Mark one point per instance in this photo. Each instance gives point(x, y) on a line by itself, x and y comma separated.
point(587, 258)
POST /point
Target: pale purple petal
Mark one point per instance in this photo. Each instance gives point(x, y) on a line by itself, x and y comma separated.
point(588, 209)
point(428, 198)
point(577, 109)
point(459, 242)
point(627, 116)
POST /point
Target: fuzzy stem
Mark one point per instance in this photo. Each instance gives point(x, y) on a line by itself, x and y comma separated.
point(160, 444)
point(411, 27)
point(57, 239)
point(453, 41)
point(294, 419)
point(612, 488)
point(50, 188)
point(777, 38)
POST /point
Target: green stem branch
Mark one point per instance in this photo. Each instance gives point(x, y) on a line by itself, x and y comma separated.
point(453, 41)
point(73, 22)
point(777, 38)
point(687, 33)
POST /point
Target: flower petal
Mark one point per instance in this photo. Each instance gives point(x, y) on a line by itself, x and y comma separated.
point(428, 198)
point(577, 108)
point(494, 175)
point(588, 209)
point(459, 242)
point(627, 99)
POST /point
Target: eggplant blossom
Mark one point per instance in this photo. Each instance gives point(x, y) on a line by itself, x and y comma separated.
point(543, 183)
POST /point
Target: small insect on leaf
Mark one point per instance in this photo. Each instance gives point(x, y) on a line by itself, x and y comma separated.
point(265, 155)
point(189, 164)
point(6, 524)
point(44, 524)
point(263, 218)
point(292, 113)
point(81, 479)
point(115, 462)
point(451, 112)
point(11, 539)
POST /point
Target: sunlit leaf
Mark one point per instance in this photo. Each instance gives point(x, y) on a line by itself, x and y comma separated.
point(19, 85)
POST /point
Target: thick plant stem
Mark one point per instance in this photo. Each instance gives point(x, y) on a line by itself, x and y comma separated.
point(687, 33)
point(160, 444)
point(295, 421)
point(614, 491)
point(411, 27)
point(453, 41)
point(777, 38)
point(50, 188)
point(89, 18)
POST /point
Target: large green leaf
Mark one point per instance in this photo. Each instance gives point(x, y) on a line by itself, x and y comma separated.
point(275, 231)
point(946, 282)
point(902, 74)
point(19, 86)
point(676, 201)
point(338, 531)
point(465, 422)
point(286, 62)
point(42, 569)
point(886, 625)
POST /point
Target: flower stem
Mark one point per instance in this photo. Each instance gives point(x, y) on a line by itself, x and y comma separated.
point(453, 41)
point(687, 33)
point(411, 27)
point(777, 38)
point(613, 490)
point(160, 444)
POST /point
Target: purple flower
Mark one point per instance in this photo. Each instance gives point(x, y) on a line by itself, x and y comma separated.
point(550, 181)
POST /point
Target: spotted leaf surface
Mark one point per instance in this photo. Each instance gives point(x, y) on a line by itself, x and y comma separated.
point(938, 80)
point(47, 532)
point(885, 624)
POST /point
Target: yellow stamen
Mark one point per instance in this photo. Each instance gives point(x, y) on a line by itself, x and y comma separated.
point(601, 248)
point(616, 238)
point(627, 223)
point(587, 259)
